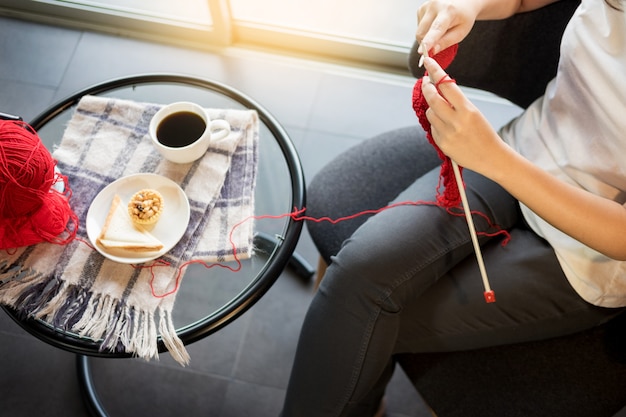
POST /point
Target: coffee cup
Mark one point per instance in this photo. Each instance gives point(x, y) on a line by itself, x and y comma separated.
point(183, 131)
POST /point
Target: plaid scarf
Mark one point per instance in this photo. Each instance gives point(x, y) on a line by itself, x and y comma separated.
point(75, 288)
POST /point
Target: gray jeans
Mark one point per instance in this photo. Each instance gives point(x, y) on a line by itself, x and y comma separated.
point(407, 279)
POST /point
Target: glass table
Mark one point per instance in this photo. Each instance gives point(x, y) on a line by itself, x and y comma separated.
point(208, 299)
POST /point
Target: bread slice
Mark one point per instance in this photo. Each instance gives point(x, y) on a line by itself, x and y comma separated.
point(119, 232)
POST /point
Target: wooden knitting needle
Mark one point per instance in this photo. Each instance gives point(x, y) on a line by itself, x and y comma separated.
point(490, 296)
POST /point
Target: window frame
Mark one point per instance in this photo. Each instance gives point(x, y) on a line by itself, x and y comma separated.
point(224, 32)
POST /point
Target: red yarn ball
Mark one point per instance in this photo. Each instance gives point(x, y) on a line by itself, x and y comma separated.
point(31, 210)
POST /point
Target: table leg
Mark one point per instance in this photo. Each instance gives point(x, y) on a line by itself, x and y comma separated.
point(267, 243)
point(87, 387)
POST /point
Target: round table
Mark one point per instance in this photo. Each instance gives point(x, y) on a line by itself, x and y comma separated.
point(208, 302)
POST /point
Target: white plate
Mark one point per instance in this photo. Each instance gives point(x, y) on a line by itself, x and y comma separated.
point(169, 229)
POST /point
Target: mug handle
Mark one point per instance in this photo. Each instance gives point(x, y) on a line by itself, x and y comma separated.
point(219, 129)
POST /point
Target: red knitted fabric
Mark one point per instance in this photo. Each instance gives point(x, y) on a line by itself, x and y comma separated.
point(450, 196)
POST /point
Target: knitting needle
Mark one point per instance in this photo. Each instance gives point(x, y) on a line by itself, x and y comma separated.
point(424, 55)
point(490, 296)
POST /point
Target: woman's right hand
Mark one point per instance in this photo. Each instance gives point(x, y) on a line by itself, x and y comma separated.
point(443, 23)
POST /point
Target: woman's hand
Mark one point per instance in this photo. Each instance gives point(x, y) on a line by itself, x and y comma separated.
point(458, 127)
point(442, 23)
point(463, 133)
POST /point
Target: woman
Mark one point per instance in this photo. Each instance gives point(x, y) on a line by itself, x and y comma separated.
point(555, 178)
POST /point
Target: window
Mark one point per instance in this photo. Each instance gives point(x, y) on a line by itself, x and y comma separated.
point(186, 11)
point(362, 30)
point(365, 31)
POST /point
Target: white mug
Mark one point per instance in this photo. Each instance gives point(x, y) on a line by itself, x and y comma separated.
point(183, 131)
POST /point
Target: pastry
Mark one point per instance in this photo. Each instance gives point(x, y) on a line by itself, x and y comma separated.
point(145, 207)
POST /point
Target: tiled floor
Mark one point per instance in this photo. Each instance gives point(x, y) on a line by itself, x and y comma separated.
point(242, 370)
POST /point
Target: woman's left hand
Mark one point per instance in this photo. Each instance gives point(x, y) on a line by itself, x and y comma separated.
point(458, 127)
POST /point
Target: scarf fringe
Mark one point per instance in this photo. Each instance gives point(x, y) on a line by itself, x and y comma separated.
point(172, 342)
point(121, 328)
point(26, 290)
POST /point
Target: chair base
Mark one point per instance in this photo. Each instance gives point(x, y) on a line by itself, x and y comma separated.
point(581, 375)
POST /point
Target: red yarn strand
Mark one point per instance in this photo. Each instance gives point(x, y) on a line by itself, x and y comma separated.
point(298, 215)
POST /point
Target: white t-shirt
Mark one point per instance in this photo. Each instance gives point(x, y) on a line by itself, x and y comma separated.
point(577, 132)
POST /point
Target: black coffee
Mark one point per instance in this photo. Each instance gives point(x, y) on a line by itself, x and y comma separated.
point(180, 129)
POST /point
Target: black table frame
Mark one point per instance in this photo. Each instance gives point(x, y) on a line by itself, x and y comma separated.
point(280, 249)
